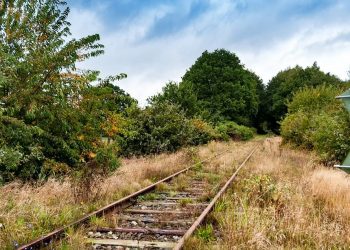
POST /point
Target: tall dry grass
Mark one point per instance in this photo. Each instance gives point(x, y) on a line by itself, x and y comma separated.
point(331, 187)
point(283, 199)
point(27, 211)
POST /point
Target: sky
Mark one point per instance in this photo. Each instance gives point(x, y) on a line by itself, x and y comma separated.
point(156, 41)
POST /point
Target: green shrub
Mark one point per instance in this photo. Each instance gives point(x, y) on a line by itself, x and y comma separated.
point(316, 120)
point(234, 131)
point(330, 135)
point(202, 132)
point(20, 153)
point(29, 153)
point(107, 157)
point(294, 129)
point(310, 100)
point(163, 127)
point(157, 128)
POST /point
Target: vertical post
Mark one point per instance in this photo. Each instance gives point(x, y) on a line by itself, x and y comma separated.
point(345, 97)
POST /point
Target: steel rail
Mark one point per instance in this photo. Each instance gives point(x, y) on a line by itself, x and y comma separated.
point(59, 233)
point(209, 208)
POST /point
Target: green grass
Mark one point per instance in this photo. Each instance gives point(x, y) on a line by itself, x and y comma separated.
point(206, 233)
point(185, 201)
point(148, 197)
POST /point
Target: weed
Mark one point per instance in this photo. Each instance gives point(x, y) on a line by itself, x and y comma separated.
point(185, 201)
point(75, 239)
point(199, 176)
point(98, 222)
point(220, 206)
point(162, 187)
point(148, 197)
point(262, 190)
point(206, 233)
point(198, 167)
point(10, 204)
point(192, 154)
point(173, 193)
point(206, 197)
point(194, 243)
point(213, 178)
point(181, 183)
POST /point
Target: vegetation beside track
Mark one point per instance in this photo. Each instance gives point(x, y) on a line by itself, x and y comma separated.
point(282, 199)
point(28, 212)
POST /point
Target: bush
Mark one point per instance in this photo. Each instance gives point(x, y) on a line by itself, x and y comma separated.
point(29, 153)
point(87, 180)
point(294, 129)
point(316, 120)
point(234, 131)
point(330, 136)
point(202, 132)
point(20, 153)
point(281, 88)
point(157, 128)
point(163, 127)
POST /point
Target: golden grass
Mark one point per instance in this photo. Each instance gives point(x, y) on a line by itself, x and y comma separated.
point(27, 212)
point(283, 199)
point(333, 188)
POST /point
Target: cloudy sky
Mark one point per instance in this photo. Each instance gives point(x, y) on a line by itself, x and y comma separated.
point(155, 41)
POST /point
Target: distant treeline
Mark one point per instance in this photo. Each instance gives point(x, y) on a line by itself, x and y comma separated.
point(56, 119)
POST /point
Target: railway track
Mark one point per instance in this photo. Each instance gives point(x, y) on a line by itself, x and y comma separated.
point(160, 216)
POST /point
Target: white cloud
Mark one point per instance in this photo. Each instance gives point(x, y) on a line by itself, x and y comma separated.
point(85, 22)
point(265, 42)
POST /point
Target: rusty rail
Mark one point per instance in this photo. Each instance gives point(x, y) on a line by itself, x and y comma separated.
point(59, 233)
point(201, 218)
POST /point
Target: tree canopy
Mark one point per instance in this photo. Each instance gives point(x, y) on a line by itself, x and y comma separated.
point(281, 88)
point(224, 88)
point(217, 88)
point(43, 119)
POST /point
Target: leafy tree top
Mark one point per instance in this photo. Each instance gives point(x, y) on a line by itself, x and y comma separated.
point(224, 88)
point(281, 88)
point(39, 60)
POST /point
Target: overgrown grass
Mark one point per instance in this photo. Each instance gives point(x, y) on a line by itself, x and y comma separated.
point(283, 199)
point(27, 211)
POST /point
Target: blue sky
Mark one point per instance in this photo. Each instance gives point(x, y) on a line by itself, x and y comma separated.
point(155, 41)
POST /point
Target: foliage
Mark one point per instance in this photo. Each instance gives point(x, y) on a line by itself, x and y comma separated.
point(261, 190)
point(40, 69)
point(22, 152)
point(231, 130)
point(51, 117)
point(316, 120)
point(206, 233)
point(202, 132)
point(281, 88)
point(86, 180)
point(217, 88)
point(178, 94)
point(162, 127)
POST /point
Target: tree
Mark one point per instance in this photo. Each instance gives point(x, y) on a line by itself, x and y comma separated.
point(42, 117)
point(178, 94)
point(281, 88)
point(40, 62)
point(161, 127)
point(317, 120)
point(224, 89)
point(260, 119)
